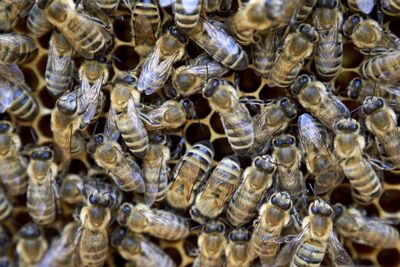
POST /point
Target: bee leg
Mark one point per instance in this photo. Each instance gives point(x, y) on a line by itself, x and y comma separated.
point(178, 149)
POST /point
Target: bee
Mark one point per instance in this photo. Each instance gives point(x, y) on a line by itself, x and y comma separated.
point(390, 7)
point(273, 120)
point(37, 22)
point(138, 250)
point(11, 11)
point(88, 37)
point(236, 119)
point(316, 98)
point(381, 121)
point(124, 116)
point(187, 14)
point(155, 222)
point(353, 224)
point(329, 48)
point(6, 207)
point(102, 193)
point(157, 67)
point(363, 6)
point(190, 79)
point(257, 179)
point(212, 243)
point(369, 37)
point(223, 181)
point(296, 48)
point(382, 67)
point(319, 160)
point(287, 157)
point(299, 11)
point(191, 170)
point(16, 49)
point(265, 49)
point(348, 146)
point(274, 215)
point(93, 75)
point(71, 189)
point(316, 238)
point(170, 115)
point(223, 48)
point(255, 15)
point(92, 239)
point(237, 249)
point(62, 250)
point(13, 175)
point(16, 95)
point(108, 6)
point(122, 168)
point(42, 192)
point(31, 245)
point(155, 170)
point(59, 66)
point(146, 23)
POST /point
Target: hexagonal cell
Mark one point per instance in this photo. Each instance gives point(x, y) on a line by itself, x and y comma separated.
point(197, 132)
point(122, 29)
point(341, 194)
point(41, 65)
point(30, 78)
point(351, 57)
point(77, 167)
point(201, 105)
point(271, 93)
point(342, 81)
point(44, 126)
point(222, 148)
point(363, 249)
point(391, 178)
point(249, 81)
point(389, 200)
point(174, 254)
point(46, 99)
point(216, 123)
point(126, 56)
point(389, 257)
point(27, 135)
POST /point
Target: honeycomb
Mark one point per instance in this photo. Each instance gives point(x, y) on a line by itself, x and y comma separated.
point(207, 126)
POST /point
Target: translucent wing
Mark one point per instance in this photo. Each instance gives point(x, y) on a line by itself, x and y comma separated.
point(365, 6)
point(339, 254)
point(327, 47)
point(90, 98)
point(58, 62)
point(393, 89)
point(309, 133)
point(165, 3)
point(44, 191)
point(333, 109)
point(135, 120)
point(328, 180)
point(190, 5)
point(7, 95)
point(110, 129)
point(93, 10)
point(12, 73)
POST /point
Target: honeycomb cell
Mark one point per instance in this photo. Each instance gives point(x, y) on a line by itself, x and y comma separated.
point(362, 249)
point(197, 132)
point(201, 105)
point(77, 166)
point(44, 40)
point(44, 126)
point(46, 99)
point(126, 57)
point(193, 50)
point(248, 81)
point(342, 81)
point(190, 244)
point(122, 30)
point(30, 78)
point(222, 148)
point(389, 200)
point(271, 93)
point(27, 135)
point(174, 254)
point(351, 57)
point(391, 178)
point(216, 123)
point(389, 257)
point(341, 194)
point(41, 64)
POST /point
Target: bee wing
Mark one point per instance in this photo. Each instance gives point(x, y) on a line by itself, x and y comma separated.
point(327, 46)
point(151, 174)
point(133, 115)
point(334, 109)
point(58, 62)
point(12, 73)
point(90, 98)
point(338, 253)
point(93, 10)
point(328, 180)
point(142, 30)
point(111, 129)
point(365, 6)
point(185, 170)
point(393, 89)
point(47, 187)
point(7, 95)
point(309, 133)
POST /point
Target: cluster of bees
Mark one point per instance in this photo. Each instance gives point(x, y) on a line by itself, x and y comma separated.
point(267, 212)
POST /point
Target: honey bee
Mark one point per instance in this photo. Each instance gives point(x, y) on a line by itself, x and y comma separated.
point(122, 168)
point(273, 217)
point(92, 239)
point(16, 95)
point(188, 174)
point(353, 224)
point(37, 22)
point(319, 160)
point(223, 48)
point(316, 98)
point(11, 11)
point(124, 116)
point(237, 249)
point(273, 120)
point(170, 115)
point(31, 245)
point(155, 222)
point(13, 175)
point(157, 67)
point(287, 157)
point(71, 189)
point(42, 192)
point(390, 7)
point(16, 49)
point(236, 119)
point(146, 23)
point(382, 68)
point(329, 48)
point(187, 14)
point(265, 49)
point(299, 11)
point(59, 66)
point(138, 250)
point(348, 146)
point(191, 78)
point(296, 48)
point(102, 193)
point(62, 250)
point(257, 179)
point(155, 170)
point(88, 37)
point(369, 37)
point(212, 243)
point(108, 6)
point(223, 181)
point(381, 121)
point(317, 236)
point(6, 207)
point(254, 15)
point(93, 75)
point(363, 6)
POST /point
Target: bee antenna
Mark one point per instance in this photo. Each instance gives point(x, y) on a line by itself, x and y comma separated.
point(33, 134)
point(311, 189)
point(356, 109)
point(95, 127)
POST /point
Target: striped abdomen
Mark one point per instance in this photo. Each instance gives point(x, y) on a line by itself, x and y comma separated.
point(382, 67)
point(108, 5)
point(240, 135)
point(58, 78)
point(127, 175)
point(37, 22)
point(209, 260)
point(390, 7)
point(285, 71)
point(23, 106)
point(303, 11)
point(93, 247)
point(310, 253)
point(264, 52)
point(16, 48)
point(149, 10)
point(185, 20)
point(261, 244)
point(169, 226)
point(41, 202)
point(390, 142)
point(365, 182)
point(5, 207)
point(14, 177)
point(329, 54)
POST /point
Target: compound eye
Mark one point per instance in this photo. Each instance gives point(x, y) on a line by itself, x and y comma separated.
point(219, 228)
point(92, 199)
point(99, 139)
point(130, 79)
point(47, 155)
point(126, 209)
point(186, 104)
point(4, 126)
point(355, 20)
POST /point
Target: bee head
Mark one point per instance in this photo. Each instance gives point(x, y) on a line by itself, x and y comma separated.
point(354, 87)
point(274, 8)
point(68, 103)
point(99, 199)
point(117, 236)
point(372, 104)
point(178, 34)
point(130, 79)
point(300, 82)
point(331, 4)
point(157, 138)
point(188, 106)
point(288, 107)
point(42, 154)
point(347, 125)
point(208, 91)
point(6, 127)
point(350, 24)
point(320, 208)
point(124, 212)
point(264, 163)
point(30, 230)
point(284, 140)
point(338, 210)
point(282, 200)
point(239, 235)
point(94, 142)
point(309, 32)
point(214, 227)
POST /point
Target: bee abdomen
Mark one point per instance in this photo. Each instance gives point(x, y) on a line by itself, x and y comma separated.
point(16, 48)
point(185, 21)
point(280, 76)
point(381, 67)
point(108, 5)
point(326, 65)
point(37, 22)
point(240, 209)
point(309, 254)
point(149, 10)
point(24, 105)
point(93, 248)
point(43, 209)
point(5, 207)
point(57, 82)
point(15, 179)
point(390, 7)
point(241, 139)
